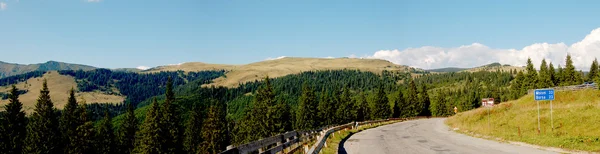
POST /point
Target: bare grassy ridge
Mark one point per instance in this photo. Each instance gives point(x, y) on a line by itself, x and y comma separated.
point(284, 66)
point(576, 121)
point(59, 86)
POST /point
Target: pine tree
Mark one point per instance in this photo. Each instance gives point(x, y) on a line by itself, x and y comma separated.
point(84, 139)
point(307, 109)
point(280, 114)
point(325, 109)
point(362, 108)
point(127, 131)
point(105, 138)
point(13, 121)
point(170, 122)
point(531, 77)
point(516, 87)
point(399, 105)
point(213, 131)
point(544, 77)
point(412, 100)
point(552, 73)
point(424, 101)
point(593, 74)
point(69, 121)
point(261, 120)
point(149, 136)
point(560, 76)
point(193, 140)
point(343, 112)
point(380, 105)
point(42, 131)
point(571, 76)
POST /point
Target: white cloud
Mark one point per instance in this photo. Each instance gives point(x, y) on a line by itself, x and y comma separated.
point(93, 1)
point(280, 57)
point(178, 64)
point(428, 57)
point(143, 67)
point(2, 6)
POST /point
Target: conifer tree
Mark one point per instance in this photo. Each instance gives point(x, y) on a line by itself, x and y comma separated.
point(343, 112)
point(69, 121)
point(362, 108)
point(170, 123)
point(127, 131)
point(571, 76)
point(544, 79)
point(84, 139)
point(380, 105)
point(399, 104)
point(552, 73)
point(280, 114)
point(325, 109)
point(306, 115)
point(261, 120)
point(560, 76)
point(516, 87)
point(531, 77)
point(213, 131)
point(412, 100)
point(13, 121)
point(593, 74)
point(149, 137)
point(424, 101)
point(105, 138)
point(193, 138)
point(42, 131)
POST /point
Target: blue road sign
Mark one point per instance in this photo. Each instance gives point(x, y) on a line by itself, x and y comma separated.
point(544, 94)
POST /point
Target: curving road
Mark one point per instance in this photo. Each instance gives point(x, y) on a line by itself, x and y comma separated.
point(425, 136)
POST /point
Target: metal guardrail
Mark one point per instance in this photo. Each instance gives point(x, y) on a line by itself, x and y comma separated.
point(293, 141)
point(569, 88)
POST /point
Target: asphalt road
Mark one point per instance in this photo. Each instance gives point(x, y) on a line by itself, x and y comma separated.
point(423, 137)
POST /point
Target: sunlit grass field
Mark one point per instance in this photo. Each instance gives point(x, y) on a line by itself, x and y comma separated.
point(576, 121)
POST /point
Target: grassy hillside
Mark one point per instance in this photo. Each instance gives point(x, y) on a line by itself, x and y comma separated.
point(9, 69)
point(59, 86)
point(191, 67)
point(448, 69)
point(495, 67)
point(576, 121)
point(239, 74)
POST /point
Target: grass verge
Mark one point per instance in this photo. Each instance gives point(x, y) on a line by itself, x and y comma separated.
point(576, 118)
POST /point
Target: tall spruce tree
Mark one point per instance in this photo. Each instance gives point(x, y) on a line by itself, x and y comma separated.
point(593, 74)
point(69, 121)
point(105, 137)
point(412, 100)
point(306, 114)
point(560, 76)
point(552, 73)
point(42, 131)
point(517, 87)
point(192, 134)
point(325, 109)
point(127, 131)
point(214, 131)
point(343, 112)
point(84, 139)
point(399, 105)
point(571, 76)
point(170, 123)
point(380, 104)
point(531, 76)
point(13, 121)
point(149, 136)
point(544, 78)
point(425, 102)
point(362, 108)
point(280, 113)
point(261, 120)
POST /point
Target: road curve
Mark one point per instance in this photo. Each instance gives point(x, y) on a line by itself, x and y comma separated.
point(425, 136)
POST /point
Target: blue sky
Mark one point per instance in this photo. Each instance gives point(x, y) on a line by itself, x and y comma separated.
point(131, 33)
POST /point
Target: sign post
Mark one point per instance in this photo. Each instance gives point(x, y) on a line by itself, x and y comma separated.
point(489, 103)
point(544, 95)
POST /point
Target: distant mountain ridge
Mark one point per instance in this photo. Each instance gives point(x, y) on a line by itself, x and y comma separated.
point(10, 69)
point(488, 67)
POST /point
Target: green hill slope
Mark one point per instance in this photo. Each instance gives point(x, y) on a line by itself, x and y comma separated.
point(9, 69)
point(576, 121)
